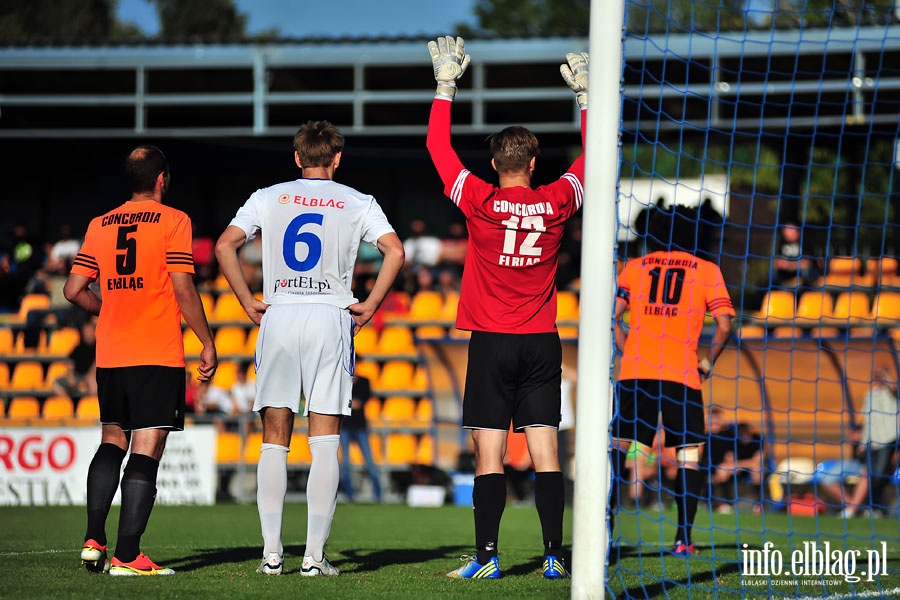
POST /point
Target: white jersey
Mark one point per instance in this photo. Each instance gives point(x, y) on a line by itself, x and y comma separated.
point(311, 230)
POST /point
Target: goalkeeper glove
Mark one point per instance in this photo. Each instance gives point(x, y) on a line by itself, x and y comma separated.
point(575, 72)
point(450, 60)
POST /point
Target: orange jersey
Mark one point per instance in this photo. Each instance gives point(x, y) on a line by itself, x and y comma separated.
point(668, 295)
point(131, 251)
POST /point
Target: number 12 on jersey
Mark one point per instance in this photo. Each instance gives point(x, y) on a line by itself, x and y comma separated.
point(516, 254)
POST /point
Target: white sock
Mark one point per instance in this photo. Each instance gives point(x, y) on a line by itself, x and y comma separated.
point(321, 492)
point(271, 487)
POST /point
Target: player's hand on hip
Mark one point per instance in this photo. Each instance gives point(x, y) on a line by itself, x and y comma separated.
point(256, 310)
point(361, 314)
point(449, 58)
point(575, 73)
point(209, 362)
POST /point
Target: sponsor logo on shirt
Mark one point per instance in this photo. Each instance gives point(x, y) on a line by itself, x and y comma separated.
point(302, 285)
point(313, 202)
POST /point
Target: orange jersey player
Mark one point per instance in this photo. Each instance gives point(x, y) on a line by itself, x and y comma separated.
point(131, 251)
point(140, 256)
point(668, 293)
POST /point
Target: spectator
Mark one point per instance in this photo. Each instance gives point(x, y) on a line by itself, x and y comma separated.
point(732, 453)
point(203, 248)
point(355, 429)
point(792, 260)
point(81, 377)
point(877, 442)
point(63, 251)
point(421, 247)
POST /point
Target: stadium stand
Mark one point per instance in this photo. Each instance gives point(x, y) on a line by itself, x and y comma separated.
point(777, 308)
point(58, 410)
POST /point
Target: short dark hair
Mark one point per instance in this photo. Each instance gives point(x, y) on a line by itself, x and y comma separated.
point(143, 166)
point(673, 229)
point(513, 148)
point(317, 143)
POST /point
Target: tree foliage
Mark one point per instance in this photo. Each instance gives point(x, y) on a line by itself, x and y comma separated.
point(529, 18)
point(200, 20)
point(42, 21)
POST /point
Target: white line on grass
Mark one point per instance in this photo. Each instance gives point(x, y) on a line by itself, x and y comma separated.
point(871, 594)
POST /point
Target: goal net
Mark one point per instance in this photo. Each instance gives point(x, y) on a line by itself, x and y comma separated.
point(773, 128)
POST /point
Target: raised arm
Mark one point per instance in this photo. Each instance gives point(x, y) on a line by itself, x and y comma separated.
point(575, 73)
point(449, 59)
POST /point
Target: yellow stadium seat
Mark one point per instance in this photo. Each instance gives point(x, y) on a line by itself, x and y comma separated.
point(88, 409)
point(396, 375)
point(567, 309)
point(368, 369)
point(426, 305)
point(192, 344)
point(420, 379)
point(63, 341)
point(843, 271)
point(396, 340)
point(886, 308)
point(376, 444)
point(221, 284)
point(55, 370)
point(851, 308)
point(251, 372)
point(777, 307)
point(7, 341)
point(230, 340)
point(208, 301)
point(228, 447)
point(424, 411)
point(372, 409)
point(451, 305)
point(430, 332)
point(398, 409)
point(787, 331)
point(252, 336)
point(27, 375)
point(888, 272)
point(813, 307)
point(299, 453)
point(4, 375)
point(751, 331)
point(29, 303)
point(365, 342)
point(252, 446)
point(23, 408)
point(425, 451)
point(568, 332)
point(226, 375)
point(400, 449)
point(228, 309)
point(58, 407)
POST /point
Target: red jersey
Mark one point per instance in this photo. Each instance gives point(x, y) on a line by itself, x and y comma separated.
point(668, 295)
point(131, 251)
point(509, 277)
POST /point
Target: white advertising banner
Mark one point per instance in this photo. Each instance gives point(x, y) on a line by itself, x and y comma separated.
point(42, 466)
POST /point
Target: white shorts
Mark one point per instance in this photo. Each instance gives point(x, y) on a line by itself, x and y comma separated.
point(305, 350)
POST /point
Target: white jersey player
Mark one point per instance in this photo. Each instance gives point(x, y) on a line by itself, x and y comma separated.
point(311, 231)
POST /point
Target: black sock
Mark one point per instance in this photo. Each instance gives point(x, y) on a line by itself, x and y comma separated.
point(102, 483)
point(550, 501)
point(688, 484)
point(138, 495)
point(488, 500)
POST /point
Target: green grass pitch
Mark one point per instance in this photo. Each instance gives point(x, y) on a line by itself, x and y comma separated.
point(394, 551)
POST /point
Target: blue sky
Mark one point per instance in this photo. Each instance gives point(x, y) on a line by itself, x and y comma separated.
point(300, 18)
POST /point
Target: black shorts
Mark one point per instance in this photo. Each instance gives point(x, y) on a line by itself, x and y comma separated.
point(513, 378)
point(144, 397)
point(639, 403)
